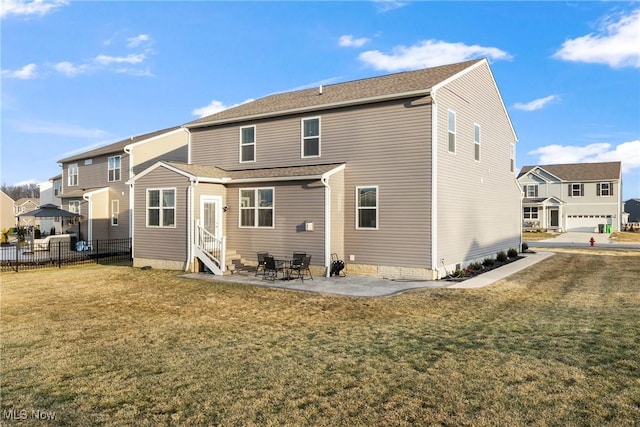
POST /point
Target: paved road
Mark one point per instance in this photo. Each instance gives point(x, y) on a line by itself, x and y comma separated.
point(573, 239)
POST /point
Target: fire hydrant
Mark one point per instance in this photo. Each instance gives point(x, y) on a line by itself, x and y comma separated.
point(592, 241)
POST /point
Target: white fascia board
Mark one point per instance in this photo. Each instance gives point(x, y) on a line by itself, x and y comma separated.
point(144, 141)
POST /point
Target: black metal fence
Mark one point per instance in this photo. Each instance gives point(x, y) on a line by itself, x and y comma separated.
point(63, 253)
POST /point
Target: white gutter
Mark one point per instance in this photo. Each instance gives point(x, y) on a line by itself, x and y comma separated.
point(190, 221)
point(128, 150)
point(327, 225)
point(87, 197)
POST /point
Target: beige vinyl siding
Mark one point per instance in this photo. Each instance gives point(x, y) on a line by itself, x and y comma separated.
point(385, 144)
point(478, 202)
point(100, 216)
point(294, 203)
point(336, 182)
point(170, 147)
point(160, 242)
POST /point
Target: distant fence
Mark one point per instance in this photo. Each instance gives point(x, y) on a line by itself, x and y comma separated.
point(63, 253)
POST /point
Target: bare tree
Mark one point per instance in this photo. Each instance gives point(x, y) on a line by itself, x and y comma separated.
point(29, 191)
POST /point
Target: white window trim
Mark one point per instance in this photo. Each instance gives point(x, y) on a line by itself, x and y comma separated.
point(454, 132)
point(377, 208)
point(303, 138)
point(526, 190)
point(255, 138)
point(580, 189)
point(609, 188)
point(73, 166)
point(115, 212)
point(476, 143)
point(146, 207)
point(75, 203)
point(531, 211)
point(256, 208)
point(512, 157)
point(119, 169)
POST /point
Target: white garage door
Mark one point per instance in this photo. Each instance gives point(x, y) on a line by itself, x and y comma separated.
point(588, 223)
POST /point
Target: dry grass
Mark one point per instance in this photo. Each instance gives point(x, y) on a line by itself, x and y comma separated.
point(556, 344)
point(625, 236)
point(532, 236)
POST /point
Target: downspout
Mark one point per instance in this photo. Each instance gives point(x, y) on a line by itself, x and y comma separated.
point(434, 185)
point(89, 217)
point(128, 150)
point(327, 225)
point(190, 221)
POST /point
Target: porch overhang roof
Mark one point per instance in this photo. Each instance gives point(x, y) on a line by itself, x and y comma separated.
point(541, 201)
point(80, 192)
point(212, 174)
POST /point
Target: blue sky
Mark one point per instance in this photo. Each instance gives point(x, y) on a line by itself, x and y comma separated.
point(77, 75)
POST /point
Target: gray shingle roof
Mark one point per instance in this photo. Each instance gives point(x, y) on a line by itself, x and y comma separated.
point(116, 147)
point(363, 90)
point(248, 174)
point(580, 171)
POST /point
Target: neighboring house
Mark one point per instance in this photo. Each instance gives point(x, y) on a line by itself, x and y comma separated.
point(399, 175)
point(632, 207)
point(94, 183)
point(24, 204)
point(7, 212)
point(572, 197)
point(50, 194)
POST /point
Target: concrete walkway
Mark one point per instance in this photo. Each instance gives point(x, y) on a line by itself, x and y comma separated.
point(365, 286)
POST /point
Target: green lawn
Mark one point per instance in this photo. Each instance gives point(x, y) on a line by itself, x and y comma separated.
point(556, 344)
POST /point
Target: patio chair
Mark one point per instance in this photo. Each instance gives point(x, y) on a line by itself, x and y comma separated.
point(270, 268)
point(303, 268)
point(297, 258)
point(260, 268)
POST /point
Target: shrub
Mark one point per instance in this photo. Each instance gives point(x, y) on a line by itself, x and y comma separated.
point(512, 253)
point(525, 247)
point(488, 262)
point(37, 234)
point(501, 256)
point(475, 266)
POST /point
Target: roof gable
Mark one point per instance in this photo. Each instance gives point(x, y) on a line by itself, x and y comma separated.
point(349, 93)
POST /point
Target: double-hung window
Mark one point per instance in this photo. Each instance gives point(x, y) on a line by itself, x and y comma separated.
point(74, 206)
point(451, 130)
point(604, 189)
point(311, 137)
point(367, 208)
point(531, 190)
point(576, 190)
point(531, 213)
point(115, 211)
point(248, 144)
point(512, 157)
point(72, 178)
point(114, 168)
point(161, 207)
point(476, 142)
point(256, 207)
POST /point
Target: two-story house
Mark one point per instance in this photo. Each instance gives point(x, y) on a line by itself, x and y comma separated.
point(94, 183)
point(400, 175)
point(572, 197)
point(50, 192)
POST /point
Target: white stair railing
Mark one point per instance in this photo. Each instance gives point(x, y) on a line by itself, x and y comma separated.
point(210, 249)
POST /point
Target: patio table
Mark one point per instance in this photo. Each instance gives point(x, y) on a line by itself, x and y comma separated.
point(285, 263)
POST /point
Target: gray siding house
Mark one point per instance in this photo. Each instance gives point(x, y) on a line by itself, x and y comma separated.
point(572, 197)
point(94, 183)
point(400, 176)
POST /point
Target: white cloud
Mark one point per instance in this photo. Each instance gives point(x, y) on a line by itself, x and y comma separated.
point(27, 8)
point(25, 73)
point(214, 107)
point(69, 69)
point(59, 129)
point(387, 5)
point(536, 104)
point(627, 152)
point(617, 44)
point(349, 41)
point(129, 59)
point(136, 41)
point(428, 53)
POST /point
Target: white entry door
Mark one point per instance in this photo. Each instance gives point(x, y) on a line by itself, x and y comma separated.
point(211, 214)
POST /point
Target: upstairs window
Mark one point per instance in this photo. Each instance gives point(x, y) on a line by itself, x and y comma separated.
point(256, 207)
point(576, 190)
point(531, 190)
point(367, 208)
point(161, 207)
point(248, 144)
point(114, 168)
point(74, 206)
point(604, 189)
point(476, 142)
point(72, 178)
point(451, 128)
point(512, 157)
point(311, 137)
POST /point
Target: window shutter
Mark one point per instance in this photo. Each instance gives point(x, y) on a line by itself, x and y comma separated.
point(569, 187)
point(597, 189)
point(536, 191)
point(581, 190)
